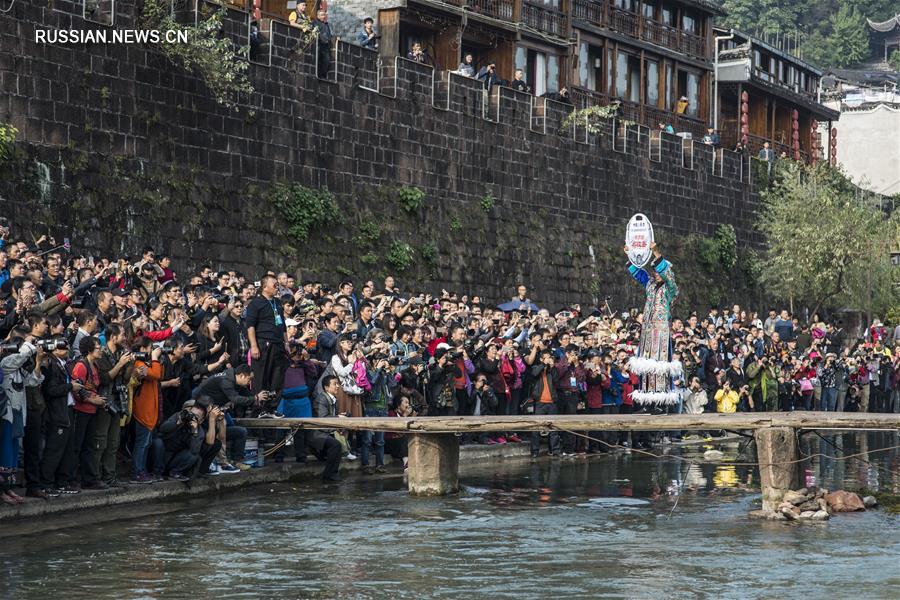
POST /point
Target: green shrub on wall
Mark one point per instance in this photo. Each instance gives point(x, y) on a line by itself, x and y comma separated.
point(400, 255)
point(8, 135)
point(304, 209)
point(410, 198)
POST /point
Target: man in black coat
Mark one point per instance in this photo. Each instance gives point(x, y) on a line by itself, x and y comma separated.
point(57, 389)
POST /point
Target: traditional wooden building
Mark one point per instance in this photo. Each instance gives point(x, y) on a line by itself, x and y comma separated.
point(647, 54)
point(884, 36)
point(768, 95)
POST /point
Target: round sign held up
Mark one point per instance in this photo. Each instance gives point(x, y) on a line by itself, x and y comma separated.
point(639, 238)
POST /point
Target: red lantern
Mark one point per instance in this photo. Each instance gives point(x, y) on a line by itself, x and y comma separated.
point(745, 96)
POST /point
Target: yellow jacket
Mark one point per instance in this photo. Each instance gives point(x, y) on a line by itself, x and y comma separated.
point(726, 402)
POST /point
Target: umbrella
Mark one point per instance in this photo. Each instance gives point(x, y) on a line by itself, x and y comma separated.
point(520, 305)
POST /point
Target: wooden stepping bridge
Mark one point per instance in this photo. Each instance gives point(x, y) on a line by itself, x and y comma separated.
point(434, 443)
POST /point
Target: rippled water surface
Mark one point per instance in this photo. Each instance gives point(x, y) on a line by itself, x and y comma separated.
point(603, 527)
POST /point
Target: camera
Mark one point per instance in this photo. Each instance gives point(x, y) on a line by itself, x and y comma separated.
point(187, 416)
point(144, 356)
point(51, 345)
point(9, 347)
point(393, 361)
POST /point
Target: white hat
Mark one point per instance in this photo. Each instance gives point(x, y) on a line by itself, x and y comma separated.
point(291, 322)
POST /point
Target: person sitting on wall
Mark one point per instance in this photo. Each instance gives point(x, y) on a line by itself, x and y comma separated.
point(368, 38)
point(418, 54)
point(561, 96)
point(518, 82)
point(467, 66)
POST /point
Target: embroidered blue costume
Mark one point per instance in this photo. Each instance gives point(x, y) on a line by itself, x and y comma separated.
point(653, 362)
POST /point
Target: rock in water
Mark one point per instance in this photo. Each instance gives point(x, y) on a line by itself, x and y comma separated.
point(820, 515)
point(713, 455)
point(807, 514)
point(870, 502)
point(795, 498)
point(809, 505)
point(841, 501)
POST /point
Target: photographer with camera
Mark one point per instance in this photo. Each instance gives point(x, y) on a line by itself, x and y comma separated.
point(148, 372)
point(80, 451)
point(461, 355)
point(762, 377)
point(114, 366)
point(570, 377)
point(414, 385)
point(58, 390)
point(35, 406)
point(21, 369)
point(442, 374)
point(230, 391)
point(191, 439)
point(544, 398)
point(828, 378)
point(377, 402)
point(727, 398)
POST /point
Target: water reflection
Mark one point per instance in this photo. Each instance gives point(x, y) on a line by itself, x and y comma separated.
point(602, 527)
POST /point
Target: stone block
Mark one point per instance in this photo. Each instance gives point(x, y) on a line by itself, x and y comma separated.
point(433, 464)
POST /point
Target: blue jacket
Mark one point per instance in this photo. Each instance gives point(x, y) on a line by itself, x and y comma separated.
point(613, 393)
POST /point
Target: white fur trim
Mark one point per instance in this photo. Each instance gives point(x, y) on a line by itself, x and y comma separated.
point(655, 397)
point(645, 366)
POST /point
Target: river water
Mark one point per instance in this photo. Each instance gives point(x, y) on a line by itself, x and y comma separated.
point(621, 526)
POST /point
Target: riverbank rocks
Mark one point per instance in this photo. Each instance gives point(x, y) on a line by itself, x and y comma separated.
point(841, 501)
point(814, 504)
point(796, 498)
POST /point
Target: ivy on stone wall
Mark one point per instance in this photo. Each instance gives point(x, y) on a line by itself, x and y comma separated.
point(591, 118)
point(208, 53)
point(8, 135)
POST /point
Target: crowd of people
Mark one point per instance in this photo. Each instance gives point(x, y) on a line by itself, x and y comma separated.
point(105, 358)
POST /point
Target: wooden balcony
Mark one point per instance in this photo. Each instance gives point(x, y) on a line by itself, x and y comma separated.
point(498, 9)
point(589, 11)
point(606, 15)
point(583, 97)
point(623, 21)
point(547, 20)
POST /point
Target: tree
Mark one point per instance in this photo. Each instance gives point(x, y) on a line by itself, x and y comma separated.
point(823, 241)
point(894, 60)
point(849, 40)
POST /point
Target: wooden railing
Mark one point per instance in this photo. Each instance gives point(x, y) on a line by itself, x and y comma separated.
point(773, 79)
point(590, 11)
point(544, 19)
point(584, 98)
point(499, 9)
point(649, 116)
point(623, 21)
point(632, 24)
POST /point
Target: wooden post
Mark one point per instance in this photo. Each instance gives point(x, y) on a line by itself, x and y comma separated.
point(777, 452)
point(389, 29)
point(433, 464)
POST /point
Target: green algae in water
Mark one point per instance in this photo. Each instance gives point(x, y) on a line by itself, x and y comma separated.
point(887, 501)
